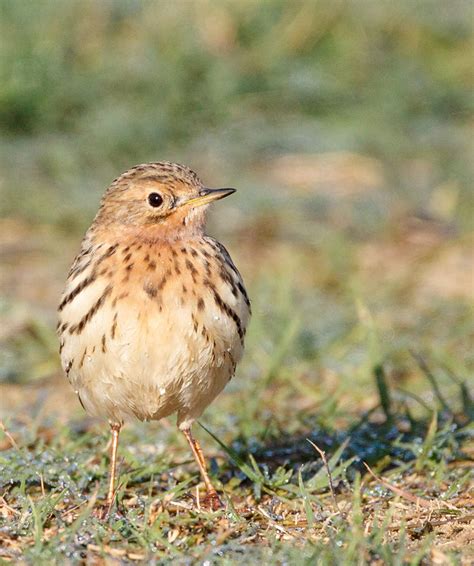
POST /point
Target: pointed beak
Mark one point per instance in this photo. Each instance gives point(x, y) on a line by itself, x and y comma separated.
point(208, 195)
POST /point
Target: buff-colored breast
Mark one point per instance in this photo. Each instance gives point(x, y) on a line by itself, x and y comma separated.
point(153, 329)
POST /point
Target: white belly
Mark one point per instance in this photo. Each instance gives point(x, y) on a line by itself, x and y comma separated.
point(143, 362)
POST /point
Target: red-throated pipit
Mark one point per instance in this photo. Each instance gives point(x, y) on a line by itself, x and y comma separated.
point(153, 317)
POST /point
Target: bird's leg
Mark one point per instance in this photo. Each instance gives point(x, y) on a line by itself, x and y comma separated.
point(211, 498)
point(115, 429)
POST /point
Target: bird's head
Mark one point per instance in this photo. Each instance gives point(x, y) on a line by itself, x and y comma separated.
point(156, 201)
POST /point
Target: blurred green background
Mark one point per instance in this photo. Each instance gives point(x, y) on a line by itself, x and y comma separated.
point(90, 88)
point(346, 127)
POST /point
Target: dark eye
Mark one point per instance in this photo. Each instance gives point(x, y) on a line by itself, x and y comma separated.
point(155, 199)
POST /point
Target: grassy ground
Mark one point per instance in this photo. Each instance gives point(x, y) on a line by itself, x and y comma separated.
point(345, 127)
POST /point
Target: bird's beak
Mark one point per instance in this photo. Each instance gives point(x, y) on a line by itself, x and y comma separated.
point(208, 195)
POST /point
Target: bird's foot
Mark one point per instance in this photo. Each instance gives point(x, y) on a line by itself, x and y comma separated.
point(212, 502)
point(103, 510)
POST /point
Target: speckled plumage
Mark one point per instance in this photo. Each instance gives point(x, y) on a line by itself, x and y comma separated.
point(153, 317)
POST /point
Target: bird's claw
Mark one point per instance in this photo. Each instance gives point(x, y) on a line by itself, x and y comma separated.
point(212, 502)
point(102, 511)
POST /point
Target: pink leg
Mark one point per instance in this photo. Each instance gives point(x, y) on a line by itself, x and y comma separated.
point(212, 499)
point(115, 429)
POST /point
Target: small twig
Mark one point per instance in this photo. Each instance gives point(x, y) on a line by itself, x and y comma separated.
point(43, 491)
point(328, 471)
point(9, 436)
point(401, 492)
point(198, 500)
point(462, 519)
point(4, 504)
point(183, 505)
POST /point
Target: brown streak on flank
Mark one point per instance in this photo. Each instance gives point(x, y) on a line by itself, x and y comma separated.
point(185, 289)
point(76, 267)
point(80, 401)
point(125, 250)
point(150, 290)
point(61, 346)
point(162, 283)
point(78, 328)
point(225, 275)
point(151, 266)
point(114, 327)
point(146, 259)
point(208, 283)
point(104, 347)
point(221, 251)
point(234, 363)
point(192, 269)
point(200, 304)
point(195, 323)
point(194, 252)
point(119, 298)
point(74, 272)
point(84, 353)
point(127, 257)
point(130, 266)
point(184, 251)
point(69, 366)
point(73, 294)
point(176, 267)
point(174, 253)
point(227, 278)
point(244, 294)
point(230, 313)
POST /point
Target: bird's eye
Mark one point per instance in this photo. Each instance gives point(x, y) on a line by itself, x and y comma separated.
point(155, 199)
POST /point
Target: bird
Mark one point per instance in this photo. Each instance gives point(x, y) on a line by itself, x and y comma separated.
point(154, 313)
